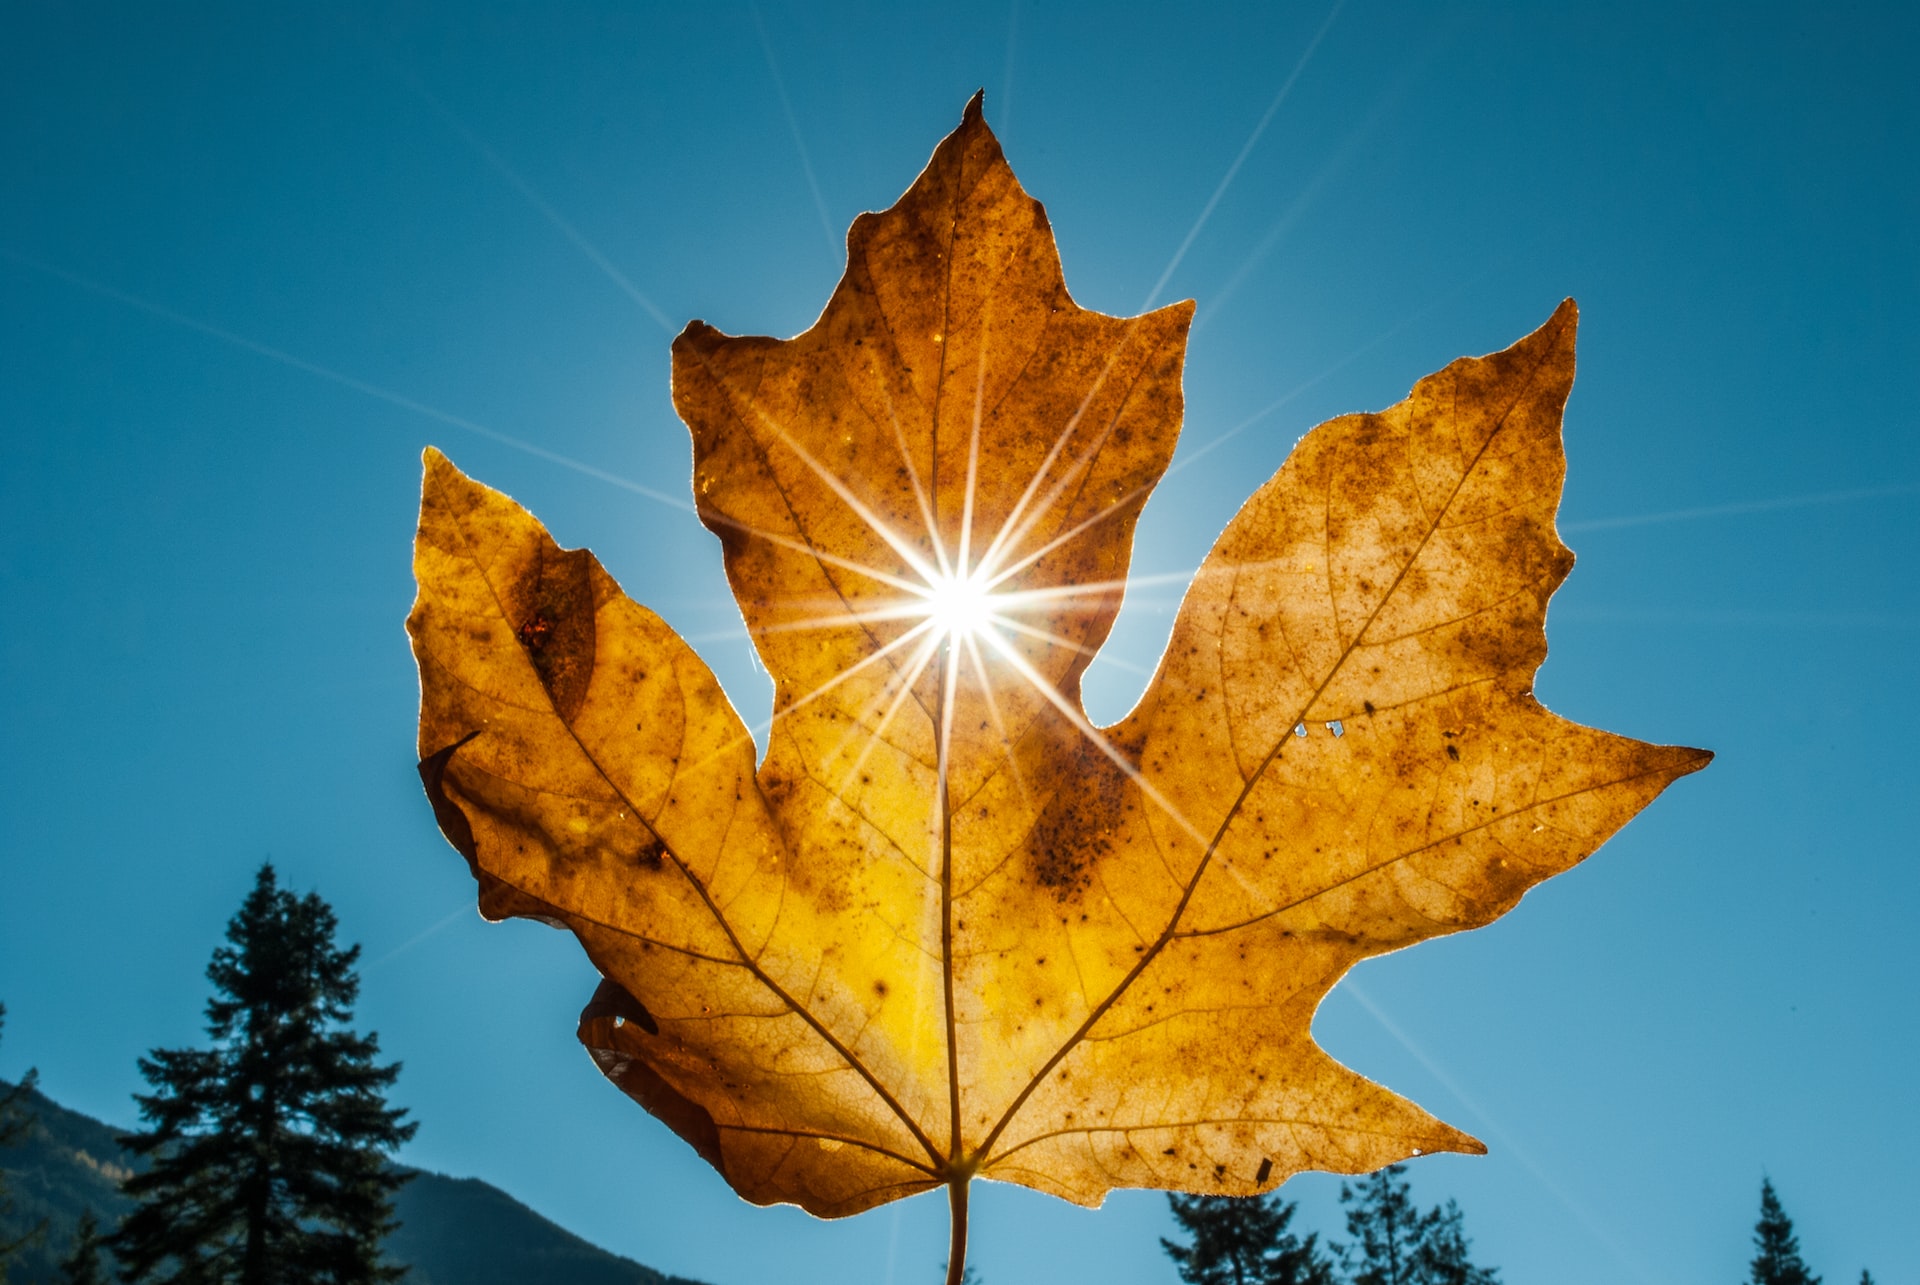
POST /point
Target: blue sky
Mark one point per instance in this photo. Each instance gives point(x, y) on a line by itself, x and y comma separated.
point(252, 260)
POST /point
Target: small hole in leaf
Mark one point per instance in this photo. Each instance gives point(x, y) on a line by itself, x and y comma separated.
point(1337, 728)
point(1299, 729)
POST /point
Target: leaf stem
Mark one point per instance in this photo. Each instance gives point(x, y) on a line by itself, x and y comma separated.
point(957, 1246)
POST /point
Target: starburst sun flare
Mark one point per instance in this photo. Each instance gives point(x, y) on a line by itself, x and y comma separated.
point(960, 605)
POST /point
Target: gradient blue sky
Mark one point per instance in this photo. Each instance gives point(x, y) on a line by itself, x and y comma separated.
point(252, 260)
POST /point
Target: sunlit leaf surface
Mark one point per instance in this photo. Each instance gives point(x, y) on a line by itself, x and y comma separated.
point(948, 928)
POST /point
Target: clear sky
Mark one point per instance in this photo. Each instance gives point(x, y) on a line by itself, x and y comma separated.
point(253, 258)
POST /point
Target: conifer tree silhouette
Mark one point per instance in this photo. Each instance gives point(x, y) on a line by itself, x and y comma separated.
point(1243, 1240)
point(269, 1149)
point(1778, 1260)
point(1395, 1244)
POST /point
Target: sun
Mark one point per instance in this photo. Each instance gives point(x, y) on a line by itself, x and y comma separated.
point(960, 607)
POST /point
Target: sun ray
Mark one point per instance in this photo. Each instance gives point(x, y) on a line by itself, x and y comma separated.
point(1348, 147)
point(1016, 527)
point(1099, 588)
point(1093, 734)
point(558, 221)
point(1212, 857)
point(1047, 636)
point(895, 541)
point(964, 566)
point(999, 723)
point(1595, 1225)
point(906, 680)
point(793, 127)
point(814, 551)
point(899, 686)
point(766, 724)
point(924, 627)
point(284, 358)
point(1007, 530)
point(1004, 574)
point(1006, 74)
point(942, 840)
point(844, 620)
point(919, 487)
point(1204, 448)
point(1246, 150)
point(1012, 534)
point(1802, 501)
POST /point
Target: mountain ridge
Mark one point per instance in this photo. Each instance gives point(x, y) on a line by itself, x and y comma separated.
point(453, 1231)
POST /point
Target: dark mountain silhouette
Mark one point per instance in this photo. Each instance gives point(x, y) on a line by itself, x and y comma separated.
point(453, 1231)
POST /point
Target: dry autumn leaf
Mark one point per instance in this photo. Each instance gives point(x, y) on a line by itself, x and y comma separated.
point(947, 928)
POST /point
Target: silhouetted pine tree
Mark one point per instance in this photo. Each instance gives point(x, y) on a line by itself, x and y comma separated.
point(15, 1120)
point(1778, 1262)
point(1385, 1227)
point(270, 1148)
point(82, 1265)
point(1395, 1244)
point(1243, 1240)
point(1442, 1257)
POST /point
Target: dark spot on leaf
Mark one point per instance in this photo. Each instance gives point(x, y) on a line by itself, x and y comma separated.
point(553, 601)
point(1076, 828)
point(652, 852)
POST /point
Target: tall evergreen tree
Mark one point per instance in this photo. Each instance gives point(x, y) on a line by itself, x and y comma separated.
point(1442, 1257)
point(82, 1265)
point(15, 1120)
point(1395, 1244)
point(269, 1148)
point(1778, 1260)
point(1243, 1240)
point(1385, 1226)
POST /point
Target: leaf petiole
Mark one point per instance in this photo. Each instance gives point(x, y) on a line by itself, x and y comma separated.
point(957, 1245)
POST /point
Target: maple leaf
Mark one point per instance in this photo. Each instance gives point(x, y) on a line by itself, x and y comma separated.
point(948, 928)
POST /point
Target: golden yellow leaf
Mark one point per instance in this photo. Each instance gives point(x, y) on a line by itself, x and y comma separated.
point(947, 928)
